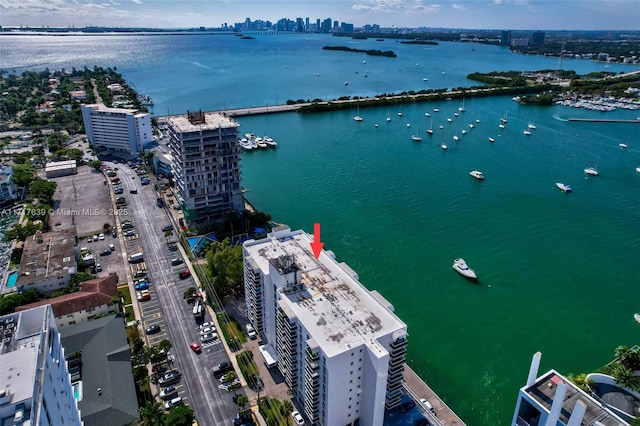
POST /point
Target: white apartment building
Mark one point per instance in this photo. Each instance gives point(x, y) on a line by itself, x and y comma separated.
point(8, 189)
point(206, 165)
point(117, 130)
point(339, 346)
point(35, 382)
point(553, 400)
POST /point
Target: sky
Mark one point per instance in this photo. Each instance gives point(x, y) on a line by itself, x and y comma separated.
point(475, 14)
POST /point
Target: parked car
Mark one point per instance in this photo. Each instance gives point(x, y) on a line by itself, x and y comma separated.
point(143, 285)
point(114, 234)
point(101, 237)
point(95, 237)
point(207, 330)
point(129, 233)
point(143, 295)
point(185, 274)
point(112, 247)
point(169, 378)
point(118, 190)
point(133, 191)
point(407, 405)
point(140, 274)
point(173, 403)
point(206, 325)
point(152, 329)
point(427, 405)
point(209, 337)
point(127, 225)
point(297, 417)
point(98, 267)
point(176, 261)
point(105, 252)
point(89, 239)
point(169, 392)
point(195, 347)
point(221, 369)
point(230, 386)
point(145, 181)
point(167, 228)
point(251, 332)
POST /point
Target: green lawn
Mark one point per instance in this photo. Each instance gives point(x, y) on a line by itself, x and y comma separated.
point(126, 294)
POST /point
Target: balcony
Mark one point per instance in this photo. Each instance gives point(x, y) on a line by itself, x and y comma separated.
point(398, 351)
point(393, 386)
point(400, 342)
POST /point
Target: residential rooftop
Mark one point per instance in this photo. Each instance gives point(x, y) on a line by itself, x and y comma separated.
point(47, 255)
point(332, 304)
point(206, 121)
point(544, 390)
point(92, 293)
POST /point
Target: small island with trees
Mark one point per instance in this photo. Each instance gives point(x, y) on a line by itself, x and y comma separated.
point(371, 52)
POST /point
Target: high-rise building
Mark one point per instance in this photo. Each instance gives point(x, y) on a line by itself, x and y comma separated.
point(206, 165)
point(537, 37)
point(505, 38)
point(8, 189)
point(553, 400)
point(36, 385)
point(118, 130)
point(339, 346)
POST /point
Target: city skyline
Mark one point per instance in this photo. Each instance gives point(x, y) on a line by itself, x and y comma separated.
point(461, 14)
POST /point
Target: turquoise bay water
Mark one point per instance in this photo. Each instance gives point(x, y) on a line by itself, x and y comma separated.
point(558, 272)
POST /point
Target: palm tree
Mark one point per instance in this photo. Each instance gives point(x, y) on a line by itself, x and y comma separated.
point(241, 401)
point(287, 407)
point(628, 357)
point(624, 377)
point(151, 414)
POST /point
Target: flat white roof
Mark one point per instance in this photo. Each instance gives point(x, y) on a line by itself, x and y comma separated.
point(336, 309)
point(212, 120)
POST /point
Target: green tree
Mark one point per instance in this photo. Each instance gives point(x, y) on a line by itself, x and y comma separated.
point(179, 416)
point(287, 407)
point(225, 266)
point(9, 302)
point(241, 401)
point(95, 164)
point(628, 357)
point(43, 190)
point(23, 175)
point(151, 414)
point(582, 382)
point(625, 378)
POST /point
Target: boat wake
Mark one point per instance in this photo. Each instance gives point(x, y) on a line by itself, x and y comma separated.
point(557, 117)
point(198, 64)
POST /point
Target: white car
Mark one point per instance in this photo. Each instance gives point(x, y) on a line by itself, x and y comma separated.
point(251, 332)
point(297, 417)
point(207, 324)
point(210, 337)
point(101, 237)
point(427, 404)
point(95, 238)
point(207, 330)
point(173, 403)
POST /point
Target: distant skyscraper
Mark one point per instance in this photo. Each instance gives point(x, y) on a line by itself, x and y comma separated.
point(318, 27)
point(299, 28)
point(35, 380)
point(306, 21)
point(537, 38)
point(326, 25)
point(505, 39)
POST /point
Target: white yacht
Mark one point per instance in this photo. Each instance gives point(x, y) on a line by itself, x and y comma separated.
point(426, 114)
point(436, 110)
point(464, 132)
point(591, 171)
point(638, 169)
point(441, 126)
point(622, 145)
point(416, 138)
point(245, 144)
point(563, 187)
point(270, 142)
point(501, 125)
point(261, 143)
point(444, 146)
point(527, 132)
point(471, 126)
point(449, 120)
point(531, 126)
point(477, 174)
point(456, 138)
point(492, 140)
point(408, 124)
point(461, 267)
point(455, 114)
point(357, 116)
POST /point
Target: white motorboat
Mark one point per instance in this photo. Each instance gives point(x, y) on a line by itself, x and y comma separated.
point(270, 142)
point(449, 120)
point(622, 145)
point(461, 267)
point(477, 174)
point(477, 120)
point(408, 124)
point(501, 125)
point(471, 126)
point(346, 83)
point(416, 138)
point(245, 144)
point(441, 126)
point(425, 79)
point(444, 146)
point(638, 169)
point(527, 132)
point(456, 138)
point(436, 110)
point(426, 114)
point(400, 114)
point(563, 187)
point(492, 140)
point(591, 171)
point(357, 116)
point(636, 317)
point(455, 114)
point(531, 126)
point(261, 143)
point(464, 132)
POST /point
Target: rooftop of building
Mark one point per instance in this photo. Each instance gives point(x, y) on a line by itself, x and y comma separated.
point(197, 121)
point(544, 389)
point(108, 389)
point(47, 255)
point(22, 334)
point(53, 165)
point(333, 305)
point(104, 108)
point(92, 293)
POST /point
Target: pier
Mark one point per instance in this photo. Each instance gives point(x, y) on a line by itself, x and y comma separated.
point(605, 120)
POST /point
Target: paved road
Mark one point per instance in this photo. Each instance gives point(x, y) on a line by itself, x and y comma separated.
point(167, 308)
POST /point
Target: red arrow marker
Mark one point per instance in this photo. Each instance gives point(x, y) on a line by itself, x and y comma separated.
point(316, 245)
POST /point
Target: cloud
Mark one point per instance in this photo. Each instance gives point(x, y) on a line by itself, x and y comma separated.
point(458, 6)
point(137, 1)
point(380, 5)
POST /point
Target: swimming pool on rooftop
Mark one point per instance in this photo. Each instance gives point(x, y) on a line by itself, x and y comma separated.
point(12, 279)
point(77, 391)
